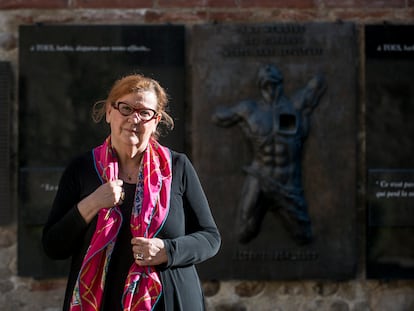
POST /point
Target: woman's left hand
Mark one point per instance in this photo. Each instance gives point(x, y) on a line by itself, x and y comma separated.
point(148, 252)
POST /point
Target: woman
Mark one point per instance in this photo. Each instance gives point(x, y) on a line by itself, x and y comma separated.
point(132, 213)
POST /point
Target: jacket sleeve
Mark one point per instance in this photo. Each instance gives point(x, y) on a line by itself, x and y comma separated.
point(202, 239)
point(65, 226)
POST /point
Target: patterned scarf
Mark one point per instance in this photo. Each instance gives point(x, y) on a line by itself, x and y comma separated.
point(151, 205)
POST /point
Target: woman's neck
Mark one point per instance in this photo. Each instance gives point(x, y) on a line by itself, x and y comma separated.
point(129, 161)
point(129, 167)
point(127, 154)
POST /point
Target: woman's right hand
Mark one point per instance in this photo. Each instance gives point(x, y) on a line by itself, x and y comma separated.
point(105, 196)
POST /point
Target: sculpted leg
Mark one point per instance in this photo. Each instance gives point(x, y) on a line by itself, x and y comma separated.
point(296, 219)
point(251, 212)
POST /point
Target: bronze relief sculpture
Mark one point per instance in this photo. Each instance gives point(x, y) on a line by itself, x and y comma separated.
point(277, 128)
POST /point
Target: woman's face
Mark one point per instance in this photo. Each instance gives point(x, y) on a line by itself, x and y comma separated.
point(131, 130)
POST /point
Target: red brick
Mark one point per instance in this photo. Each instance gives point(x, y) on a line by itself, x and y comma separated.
point(232, 16)
point(364, 15)
point(295, 16)
point(296, 4)
point(33, 4)
point(111, 4)
point(47, 285)
point(222, 4)
point(364, 3)
point(409, 14)
point(171, 16)
point(44, 19)
point(181, 3)
point(264, 16)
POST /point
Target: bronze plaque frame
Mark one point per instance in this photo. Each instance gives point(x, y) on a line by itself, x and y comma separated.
point(225, 61)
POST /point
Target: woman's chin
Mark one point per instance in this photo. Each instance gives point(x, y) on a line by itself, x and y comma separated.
point(130, 140)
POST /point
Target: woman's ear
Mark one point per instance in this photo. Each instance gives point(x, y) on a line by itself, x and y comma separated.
point(157, 121)
point(158, 118)
point(108, 113)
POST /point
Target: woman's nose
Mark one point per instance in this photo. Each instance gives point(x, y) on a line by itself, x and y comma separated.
point(134, 117)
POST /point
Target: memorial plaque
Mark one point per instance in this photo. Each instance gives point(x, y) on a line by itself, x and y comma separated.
point(63, 71)
point(274, 142)
point(389, 151)
point(6, 98)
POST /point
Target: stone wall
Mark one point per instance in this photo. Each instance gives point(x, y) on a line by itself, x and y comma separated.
point(17, 293)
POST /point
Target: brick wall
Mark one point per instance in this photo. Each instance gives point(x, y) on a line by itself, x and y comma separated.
point(23, 294)
point(234, 10)
point(203, 4)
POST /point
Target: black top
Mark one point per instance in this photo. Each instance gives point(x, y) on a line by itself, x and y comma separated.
point(190, 235)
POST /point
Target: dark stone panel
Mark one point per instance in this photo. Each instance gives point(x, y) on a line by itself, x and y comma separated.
point(282, 185)
point(6, 97)
point(389, 151)
point(63, 71)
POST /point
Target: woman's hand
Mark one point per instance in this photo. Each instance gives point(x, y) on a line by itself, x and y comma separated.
point(106, 195)
point(148, 252)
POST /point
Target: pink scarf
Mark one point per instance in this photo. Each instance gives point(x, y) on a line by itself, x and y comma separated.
point(142, 286)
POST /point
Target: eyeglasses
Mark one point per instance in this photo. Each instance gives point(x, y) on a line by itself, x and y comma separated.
point(144, 114)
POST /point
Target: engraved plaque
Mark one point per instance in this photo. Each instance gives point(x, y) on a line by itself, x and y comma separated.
point(63, 71)
point(6, 96)
point(389, 152)
point(306, 142)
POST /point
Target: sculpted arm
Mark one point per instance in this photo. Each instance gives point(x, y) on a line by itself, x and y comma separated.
point(308, 98)
point(228, 116)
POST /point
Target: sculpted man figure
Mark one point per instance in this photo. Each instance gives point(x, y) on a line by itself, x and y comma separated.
point(277, 128)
